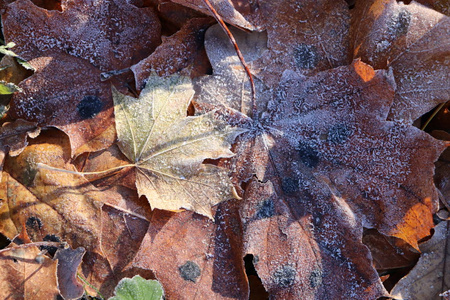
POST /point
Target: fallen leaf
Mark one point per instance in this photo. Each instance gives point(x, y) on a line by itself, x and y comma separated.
point(13, 138)
point(226, 9)
point(68, 262)
point(168, 148)
point(58, 206)
point(430, 276)
point(25, 276)
point(306, 36)
point(69, 50)
point(322, 143)
point(192, 256)
point(389, 252)
point(441, 6)
point(182, 49)
point(414, 42)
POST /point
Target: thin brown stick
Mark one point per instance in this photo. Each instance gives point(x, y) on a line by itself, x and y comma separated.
point(433, 115)
point(36, 244)
point(239, 54)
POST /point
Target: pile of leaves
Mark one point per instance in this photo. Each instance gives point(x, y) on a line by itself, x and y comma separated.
point(136, 143)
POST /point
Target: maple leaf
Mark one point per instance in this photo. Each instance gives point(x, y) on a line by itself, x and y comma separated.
point(322, 145)
point(61, 206)
point(69, 49)
point(13, 138)
point(412, 40)
point(168, 148)
point(202, 256)
point(429, 276)
point(25, 276)
point(232, 11)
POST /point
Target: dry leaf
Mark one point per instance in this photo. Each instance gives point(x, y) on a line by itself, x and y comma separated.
point(430, 276)
point(195, 257)
point(181, 50)
point(227, 9)
point(412, 40)
point(324, 144)
point(168, 148)
point(68, 262)
point(27, 275)
point(13, 138)
point(304, 36)
point(69, 50)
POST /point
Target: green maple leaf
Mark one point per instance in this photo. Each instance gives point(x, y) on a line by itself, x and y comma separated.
point(168, 148)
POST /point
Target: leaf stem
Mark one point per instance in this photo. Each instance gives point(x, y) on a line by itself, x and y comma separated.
point(47, 167)
point(433, 115)
point(239, 54)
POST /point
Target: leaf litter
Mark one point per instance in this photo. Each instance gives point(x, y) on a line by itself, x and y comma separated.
point(328, 153)
point(168, 148)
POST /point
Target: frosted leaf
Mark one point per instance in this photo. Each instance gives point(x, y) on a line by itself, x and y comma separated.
point(412, 40)
point(69, 49)
point(168, 148)
point(305, 36)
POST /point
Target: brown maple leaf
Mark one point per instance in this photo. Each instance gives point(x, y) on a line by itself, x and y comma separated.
point(412, 40)
point(334, 164)
point(69, 50)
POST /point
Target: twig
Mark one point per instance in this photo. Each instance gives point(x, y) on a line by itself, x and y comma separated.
point(239, 54)
point(35, 244)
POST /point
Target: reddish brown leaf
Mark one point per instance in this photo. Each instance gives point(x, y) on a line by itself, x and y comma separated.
point(13, 138)
point(27, 275)
point(69, 50)
point(68, 262)
point(177, 52)
point(227, 9)
point(412, 40)
point(304, 36)
point(193, 257)
point(328, 150)
point(389, 252)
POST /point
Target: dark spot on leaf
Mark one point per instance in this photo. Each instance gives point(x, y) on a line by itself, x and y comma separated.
point(399, 24)
point(34, 223)
point(308, 156)
point(339, 133)
point(315, 278)
point(289, 186)
point(284, 277)
point(306, 56)
point(255, 259)
point(50, 238)
point(266, 209)
point(89, 107)
point(189, 271)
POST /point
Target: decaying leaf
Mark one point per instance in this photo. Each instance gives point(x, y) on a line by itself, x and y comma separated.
point(431, 275)
point(177, 52)
point(27, 275)
point(412, 40)
point(68, 262)
point(58, 206)
point(193, 256)
point(168, 148)
point(304, 36)
point(69, 50)
point(229, 10)
point(13, 138)
point(324, 144)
